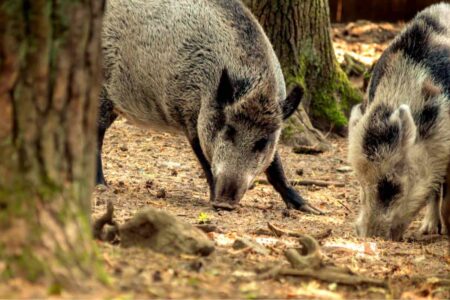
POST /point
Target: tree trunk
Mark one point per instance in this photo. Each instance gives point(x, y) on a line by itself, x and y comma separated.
point(300, 33)
point(50, 71)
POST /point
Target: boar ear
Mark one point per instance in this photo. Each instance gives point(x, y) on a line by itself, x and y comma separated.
point(355, 116)
point(408, 129)
point(290, 104)
point(225, 91)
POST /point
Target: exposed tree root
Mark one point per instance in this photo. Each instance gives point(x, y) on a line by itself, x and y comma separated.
point(111, 233)
point(307, 262)
point(309, 257)
point(332, 276)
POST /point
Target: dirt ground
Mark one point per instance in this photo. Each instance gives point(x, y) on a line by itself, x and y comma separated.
point(147, 168)
point(140, 163)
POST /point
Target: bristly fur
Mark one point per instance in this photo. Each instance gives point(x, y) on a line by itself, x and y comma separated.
point(399, 145)
point(205, 68)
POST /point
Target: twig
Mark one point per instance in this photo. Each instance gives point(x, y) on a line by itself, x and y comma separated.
point(278, 231)
point(309, 182)
point(345, 206)
point(307, 150)
point(320, 183)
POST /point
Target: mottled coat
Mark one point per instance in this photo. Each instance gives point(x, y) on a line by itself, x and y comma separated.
point(399, 139)
point(204, 68)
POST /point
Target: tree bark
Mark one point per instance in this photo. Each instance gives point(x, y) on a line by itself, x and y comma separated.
point(300, 33)
point(50, 72)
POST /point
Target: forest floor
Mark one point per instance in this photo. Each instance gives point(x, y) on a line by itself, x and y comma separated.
point(146, 168)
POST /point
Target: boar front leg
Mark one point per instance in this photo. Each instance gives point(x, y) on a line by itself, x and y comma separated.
point(195, 144)
point(445, 204)
point(277, 178)
point(431, 223)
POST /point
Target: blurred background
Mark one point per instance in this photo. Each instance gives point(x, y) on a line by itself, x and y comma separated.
point(376, 10)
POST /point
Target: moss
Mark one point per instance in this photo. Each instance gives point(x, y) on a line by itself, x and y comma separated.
point(330, 98)
point(34, 266)
point(333, 101)
point(55, 289)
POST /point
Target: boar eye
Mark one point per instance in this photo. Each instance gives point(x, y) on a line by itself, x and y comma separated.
point(260, 145)
point(230, 133)
point(387, 190)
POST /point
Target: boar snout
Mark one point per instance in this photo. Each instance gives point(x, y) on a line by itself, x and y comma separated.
point(228, 192)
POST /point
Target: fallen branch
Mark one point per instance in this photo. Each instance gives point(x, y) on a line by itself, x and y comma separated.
point(307, 262)
point(307, 150)
point(310, 182)
point(332, 276)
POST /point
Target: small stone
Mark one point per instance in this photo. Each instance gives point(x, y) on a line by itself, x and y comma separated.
point(161, 194)
point(286, 213)
point(123, 148)
point(101, 188)
point(99, 201)
point(121, 183)
point(344, 169)
point(299, 172)
point(157, 276)
point(149, 184)
point(174, 172)
point(196, 266)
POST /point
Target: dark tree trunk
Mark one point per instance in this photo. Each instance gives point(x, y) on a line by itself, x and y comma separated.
point(50, 71)
point(300, 33)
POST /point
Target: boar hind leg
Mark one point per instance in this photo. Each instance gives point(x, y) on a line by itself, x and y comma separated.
point(277, 178)
point(195, 144)
point(431, 223)
point(106, 117)
point(445, 204)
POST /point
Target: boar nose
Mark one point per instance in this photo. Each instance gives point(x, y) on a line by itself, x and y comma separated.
point(228, 192)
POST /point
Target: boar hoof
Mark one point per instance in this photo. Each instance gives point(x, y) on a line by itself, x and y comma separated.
point(224, 205)
point(431, 226)
point(295, 201)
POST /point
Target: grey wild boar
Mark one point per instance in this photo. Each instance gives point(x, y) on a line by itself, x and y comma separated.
point(206, 69)
point(399, 138)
